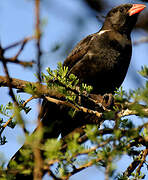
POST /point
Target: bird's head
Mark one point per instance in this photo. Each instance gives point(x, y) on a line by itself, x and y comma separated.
point(123, 18)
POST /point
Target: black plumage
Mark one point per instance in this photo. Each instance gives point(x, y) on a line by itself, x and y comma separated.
point(102, 59)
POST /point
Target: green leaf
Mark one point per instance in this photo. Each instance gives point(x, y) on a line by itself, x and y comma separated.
point(144, 71)
point(52, 149)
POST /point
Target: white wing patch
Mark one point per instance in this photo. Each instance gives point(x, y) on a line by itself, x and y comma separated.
point(103, 31)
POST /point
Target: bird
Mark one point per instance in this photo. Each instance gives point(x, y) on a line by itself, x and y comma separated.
point(100, 60)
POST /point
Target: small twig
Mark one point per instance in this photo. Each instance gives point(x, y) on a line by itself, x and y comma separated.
point(6, 124)
point(16, 61)
point(83, 95)
point(22, 47)
point(145, 153)
point(8, 77)
point(13, 115)
point(134, 164)
point(28, 100)
point(78, 108)
point(24, 41)
point(86, 151)
point(90, 163)
point(10, 119)
point(128, 111)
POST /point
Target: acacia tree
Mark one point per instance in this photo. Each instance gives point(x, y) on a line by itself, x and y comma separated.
point(87, 122)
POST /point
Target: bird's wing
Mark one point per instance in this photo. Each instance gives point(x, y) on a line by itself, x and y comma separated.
point(78, 52)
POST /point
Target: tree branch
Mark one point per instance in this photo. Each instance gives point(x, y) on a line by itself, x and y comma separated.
point(145, 153)
point(135, 163)
point(21, 85)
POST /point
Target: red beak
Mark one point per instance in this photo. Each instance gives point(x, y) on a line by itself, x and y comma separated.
point(136, 8)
